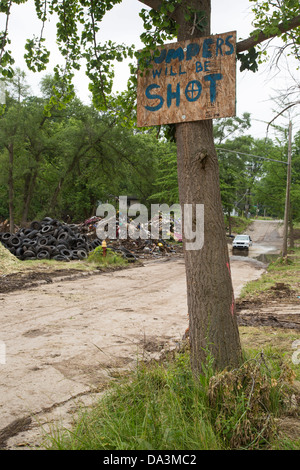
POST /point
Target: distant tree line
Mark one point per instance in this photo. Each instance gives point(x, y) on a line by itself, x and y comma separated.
point(62, 159)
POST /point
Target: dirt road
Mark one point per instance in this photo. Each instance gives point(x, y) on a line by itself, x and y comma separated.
point(65, 340)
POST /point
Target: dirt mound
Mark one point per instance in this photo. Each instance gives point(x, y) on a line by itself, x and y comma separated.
point(8, 262)
point(281, 290)
point(281, 310)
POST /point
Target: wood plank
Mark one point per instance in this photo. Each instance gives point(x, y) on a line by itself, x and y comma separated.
point(189, 81)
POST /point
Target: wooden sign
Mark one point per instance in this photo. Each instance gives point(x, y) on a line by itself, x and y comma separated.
point(189, 81)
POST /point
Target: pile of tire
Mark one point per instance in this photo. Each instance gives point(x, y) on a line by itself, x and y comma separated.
point(49, 239)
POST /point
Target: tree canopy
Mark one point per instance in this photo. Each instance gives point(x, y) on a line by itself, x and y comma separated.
point(79, 22)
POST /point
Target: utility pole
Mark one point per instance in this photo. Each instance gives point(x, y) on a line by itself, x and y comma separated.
point(287, 195)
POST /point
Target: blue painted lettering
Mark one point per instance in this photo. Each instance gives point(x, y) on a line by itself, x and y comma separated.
point(193, 90)
point(175, 54)
point(206, 52)
point(210, 45)
point(231, 48)
point(199, 67)
point(156, 73)
point(153, 97)
point(220, 42)
point(180, 71)
point(173, 95)
point(159, 59)
point(212, 78)
point(192, 50)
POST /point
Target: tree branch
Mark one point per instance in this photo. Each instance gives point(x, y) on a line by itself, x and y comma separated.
point(252, 41)
point(245, 44)
point(281, 112)
point(155, 5)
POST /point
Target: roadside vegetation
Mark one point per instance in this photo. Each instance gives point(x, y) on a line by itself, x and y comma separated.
point(236, 224)
point(162, 406)
point(98, 258)
point(283, 272)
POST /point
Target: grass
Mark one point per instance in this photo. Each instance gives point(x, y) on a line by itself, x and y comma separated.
point(162, 406)
point(282, 270)
point(238, 224)
point(9, 264)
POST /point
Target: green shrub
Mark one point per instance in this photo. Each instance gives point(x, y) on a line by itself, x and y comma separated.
point(96, 257)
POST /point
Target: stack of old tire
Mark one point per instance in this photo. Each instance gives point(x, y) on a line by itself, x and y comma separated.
point(49, 239)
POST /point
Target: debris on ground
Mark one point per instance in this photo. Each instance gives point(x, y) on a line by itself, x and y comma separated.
point(52, 239)
point(48, 239)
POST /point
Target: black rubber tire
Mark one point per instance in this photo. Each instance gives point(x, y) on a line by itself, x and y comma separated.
point(5, 236)
point(36, 225)
point(14, 241)
point(32, 234)
point(43, 254)
point(63, 236)
point(74, 254)
point(82, 254)
point(47, 229)
point(61, 258)
point(65, 252)
point(29, 254)
point(40, 248)
point(19, 252)
point(47, 220)
point(42, 241)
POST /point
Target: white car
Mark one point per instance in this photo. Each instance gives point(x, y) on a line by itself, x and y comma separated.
point(242, 242)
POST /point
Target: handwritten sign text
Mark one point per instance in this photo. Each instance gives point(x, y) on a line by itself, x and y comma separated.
point(188, 81)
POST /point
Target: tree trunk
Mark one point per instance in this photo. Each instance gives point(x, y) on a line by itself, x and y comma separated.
point(28, 195)
point(61, 181)
point(229, 222)
point(291, 229)
point(11, 187)
point(287, 195)
point(213, 325)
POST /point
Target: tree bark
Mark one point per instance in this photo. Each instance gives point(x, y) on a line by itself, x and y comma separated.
point(287, 195)
point(11, 187)
point(28, 195)
point(213, 325)
point(291, 230)
point(229, 221)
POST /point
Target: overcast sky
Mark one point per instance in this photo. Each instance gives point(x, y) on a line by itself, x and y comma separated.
point(123, 25)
